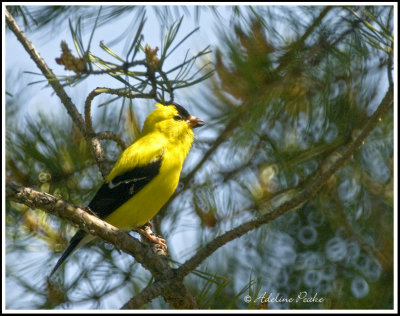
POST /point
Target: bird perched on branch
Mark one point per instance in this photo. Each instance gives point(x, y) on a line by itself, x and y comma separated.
point(145, 175)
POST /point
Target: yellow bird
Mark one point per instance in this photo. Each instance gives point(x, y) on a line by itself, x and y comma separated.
point(145, 175)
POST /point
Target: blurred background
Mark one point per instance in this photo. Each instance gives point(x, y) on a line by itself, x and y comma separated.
point(280, 87)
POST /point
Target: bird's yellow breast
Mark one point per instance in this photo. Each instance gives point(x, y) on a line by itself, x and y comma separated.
point(148, 201)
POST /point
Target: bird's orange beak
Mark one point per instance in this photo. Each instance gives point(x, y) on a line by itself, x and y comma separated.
point(194, 122)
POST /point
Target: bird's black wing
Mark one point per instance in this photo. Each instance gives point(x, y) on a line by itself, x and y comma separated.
point(112, 195)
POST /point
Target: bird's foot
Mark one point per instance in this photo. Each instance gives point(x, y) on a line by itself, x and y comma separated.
point(146, 232)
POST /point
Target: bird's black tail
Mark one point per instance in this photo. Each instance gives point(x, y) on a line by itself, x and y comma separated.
point(72, 245)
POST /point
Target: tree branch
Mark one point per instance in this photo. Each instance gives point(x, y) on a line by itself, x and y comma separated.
point(90, 223)
point(300, 42)
point(146, 295)
point(331, 164)
point(118, 92)
point(94, 143)
point(47, 72)
point(176, 294)
point(165, 288)
point(110, 135)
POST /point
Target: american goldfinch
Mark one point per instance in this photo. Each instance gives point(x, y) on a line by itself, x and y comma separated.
point(145, 175)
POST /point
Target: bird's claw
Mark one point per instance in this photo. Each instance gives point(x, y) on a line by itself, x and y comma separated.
point(146, 232)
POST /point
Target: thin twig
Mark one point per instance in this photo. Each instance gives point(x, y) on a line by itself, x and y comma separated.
point(94, 139)
point(110, 135)
point(123, 68)
point(88, 111)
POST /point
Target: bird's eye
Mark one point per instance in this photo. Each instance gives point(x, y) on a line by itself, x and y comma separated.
point(178, 117)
